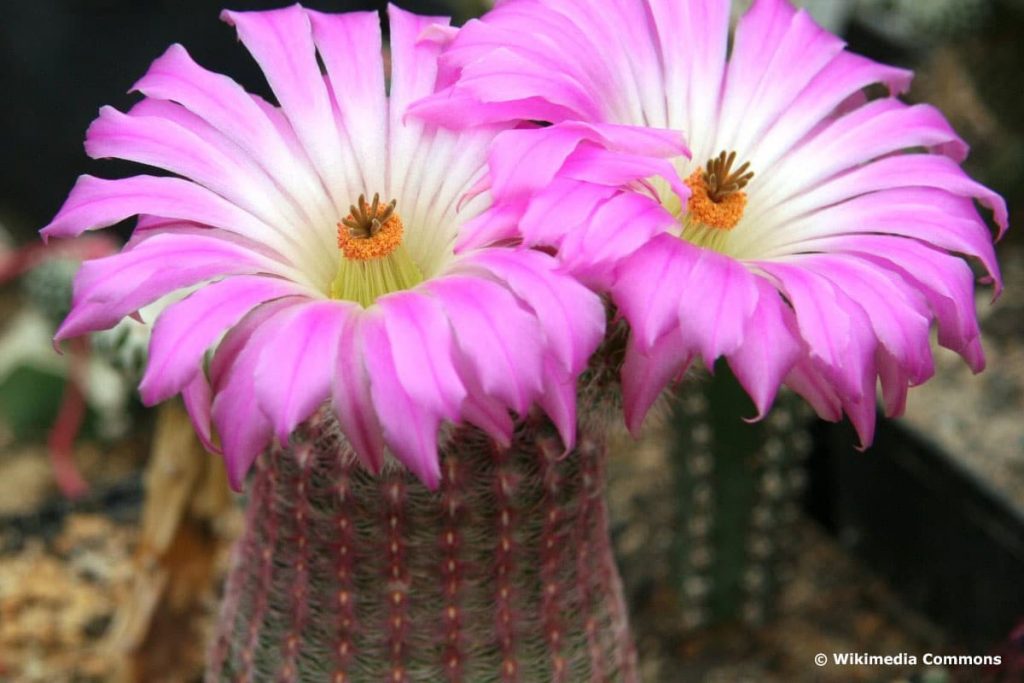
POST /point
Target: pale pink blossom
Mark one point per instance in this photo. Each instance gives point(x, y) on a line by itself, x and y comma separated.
point(252, 222)
point(824, 270)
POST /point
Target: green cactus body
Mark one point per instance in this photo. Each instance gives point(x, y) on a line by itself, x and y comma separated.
point(737, 492)
point(505, 573)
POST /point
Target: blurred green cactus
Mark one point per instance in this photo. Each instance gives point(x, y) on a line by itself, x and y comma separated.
point(737, 491)
point(47, 287)
point(705, 508)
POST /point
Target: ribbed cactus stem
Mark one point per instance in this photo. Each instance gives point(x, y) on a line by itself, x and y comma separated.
point(505, 573)
point(737, 489)
point(343, 548)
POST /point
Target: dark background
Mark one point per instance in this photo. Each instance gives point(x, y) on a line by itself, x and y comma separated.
point(61, 60)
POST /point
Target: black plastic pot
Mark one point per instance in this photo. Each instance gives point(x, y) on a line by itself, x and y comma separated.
point(951, 545)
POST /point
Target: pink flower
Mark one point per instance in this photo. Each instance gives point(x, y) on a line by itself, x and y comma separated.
point(816, 235)
point(316, 240)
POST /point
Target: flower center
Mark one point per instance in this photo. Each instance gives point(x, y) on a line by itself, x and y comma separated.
point(716, 199)
point(373, 260)
point(370, 231)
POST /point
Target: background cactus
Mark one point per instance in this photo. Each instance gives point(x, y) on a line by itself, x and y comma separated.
point(705, 507)
point(47, 286)
point(737, 494)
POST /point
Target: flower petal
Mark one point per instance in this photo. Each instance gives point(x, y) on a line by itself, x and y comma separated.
point(847, 74)
point(185, 330)
point(244, 429)
point(298, 351)
point(692, 38)
point(535, 60)
point(616, 228)
point(111, 288)
point(647, 371)
point(184, 144)
point(893, 172)
point(497, 338)
point(235, 115)
point(421, 343)
point(835, 328)
point(876, 129)
point(571, 316)
point(281, 42)
point(413, 75)
point(198, 398)
point(806, 381)
point(718, 298)
point(769, 350)
point(97, 203)
point(777, 52)
point(504, 67)
point(413, 62)
point(352, 399)
point(897, 312)
point(350, 46)
point(670, 289)
point(480, 408)
point(640, 289)
point(559, 400)
point(946, 281)
point(410, 427)
point(932, 216)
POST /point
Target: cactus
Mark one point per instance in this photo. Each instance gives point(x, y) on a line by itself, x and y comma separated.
point(505, 573)
point(47, 286)
point(704, 509)
point(737, 491)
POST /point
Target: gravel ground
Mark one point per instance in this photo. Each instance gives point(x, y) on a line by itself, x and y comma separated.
point(58, 600)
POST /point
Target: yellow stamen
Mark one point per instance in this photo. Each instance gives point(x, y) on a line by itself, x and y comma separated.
point(373, 260)
point(370, 231)
point(716, 201)
point(701, 208)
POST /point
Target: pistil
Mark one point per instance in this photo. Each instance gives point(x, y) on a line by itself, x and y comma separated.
point(717, 200)
point(373, 259)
